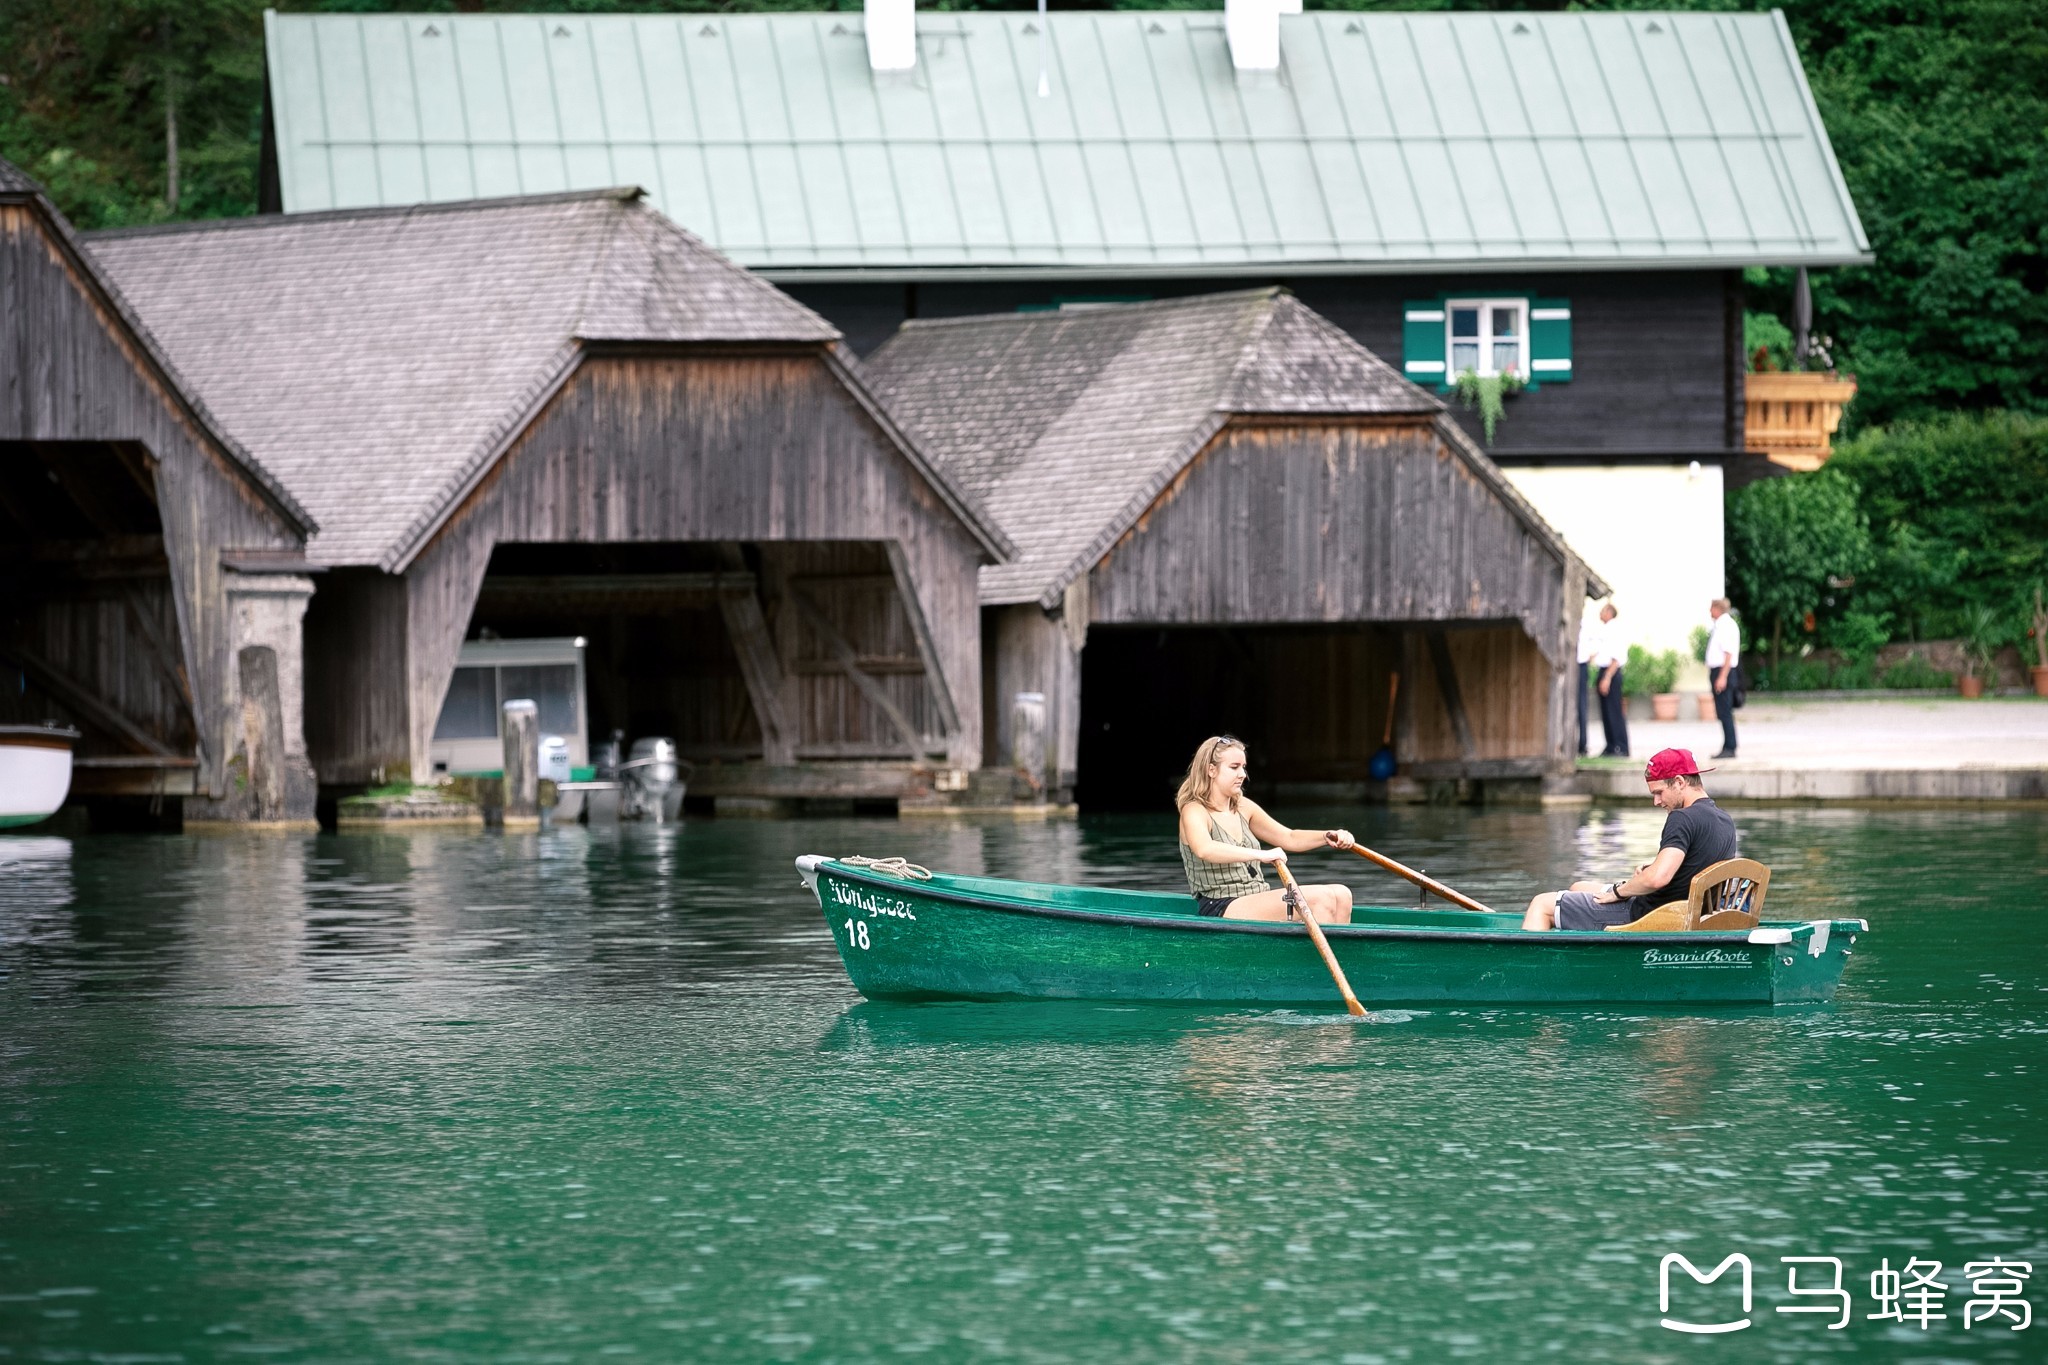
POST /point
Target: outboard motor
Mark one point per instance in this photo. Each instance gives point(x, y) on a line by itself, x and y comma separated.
point(655, 780)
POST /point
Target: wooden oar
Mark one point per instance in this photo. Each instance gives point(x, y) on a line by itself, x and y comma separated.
point(1315, 933)
point(1426, 883)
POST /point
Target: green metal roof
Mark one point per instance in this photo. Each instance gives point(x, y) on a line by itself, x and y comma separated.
point(1385, 143)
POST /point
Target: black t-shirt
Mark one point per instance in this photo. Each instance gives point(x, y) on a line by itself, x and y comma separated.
point(1705, 834)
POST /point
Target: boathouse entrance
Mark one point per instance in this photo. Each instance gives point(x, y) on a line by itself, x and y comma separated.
point(1311, 703)
point(802, 658)
point(143, 554)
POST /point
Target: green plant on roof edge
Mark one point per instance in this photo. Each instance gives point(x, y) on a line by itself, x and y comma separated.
point(1487, 393)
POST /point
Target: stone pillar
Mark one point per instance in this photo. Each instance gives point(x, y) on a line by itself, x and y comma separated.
point(521, 730)
point(270, 780)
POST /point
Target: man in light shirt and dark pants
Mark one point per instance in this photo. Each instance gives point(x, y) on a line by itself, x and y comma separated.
point(1724, 668)
point(1610, 652)
point(1589, 639)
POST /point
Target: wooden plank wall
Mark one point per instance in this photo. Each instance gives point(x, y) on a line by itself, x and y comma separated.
point(356, 730)
point(1504, 683)
point(1294, 523)
point(766, 448)
point(70, 370)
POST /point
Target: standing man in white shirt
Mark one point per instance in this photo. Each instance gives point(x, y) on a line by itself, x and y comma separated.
point(1610, 652)
point(1724, 665)
point(1589, 638)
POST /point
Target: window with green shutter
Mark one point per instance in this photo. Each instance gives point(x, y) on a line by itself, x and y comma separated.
point(1489, 335)
point(1550, 340)
point(1422, 341)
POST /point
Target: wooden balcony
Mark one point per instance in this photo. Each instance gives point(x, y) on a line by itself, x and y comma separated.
point(1792, 418)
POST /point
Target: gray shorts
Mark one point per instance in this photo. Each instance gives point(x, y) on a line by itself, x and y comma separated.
point(1578, 910)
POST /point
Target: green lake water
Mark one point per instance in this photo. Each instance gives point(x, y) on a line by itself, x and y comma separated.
point(574, 1096)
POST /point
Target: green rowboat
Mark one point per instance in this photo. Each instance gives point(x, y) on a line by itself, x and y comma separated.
point(981, 938)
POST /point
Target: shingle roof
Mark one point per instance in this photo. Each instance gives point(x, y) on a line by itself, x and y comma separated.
point(15, 184)
point(1066, 425)
point(1390, 142)
point(378, 361)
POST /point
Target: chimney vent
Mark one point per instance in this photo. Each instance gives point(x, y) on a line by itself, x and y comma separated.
point(1253, 27)
point(892, 34)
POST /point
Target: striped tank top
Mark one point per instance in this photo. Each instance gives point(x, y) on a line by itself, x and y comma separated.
point(1225, 881)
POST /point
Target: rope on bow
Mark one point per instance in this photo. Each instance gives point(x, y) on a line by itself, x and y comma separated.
point(891, 867)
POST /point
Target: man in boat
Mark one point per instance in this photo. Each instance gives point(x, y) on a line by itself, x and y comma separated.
point(1697, 834)
point(1222, 838)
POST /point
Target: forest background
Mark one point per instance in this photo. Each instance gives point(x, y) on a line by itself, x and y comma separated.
point(1933, 522)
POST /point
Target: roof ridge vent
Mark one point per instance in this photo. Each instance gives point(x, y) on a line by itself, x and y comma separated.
point(892, 34)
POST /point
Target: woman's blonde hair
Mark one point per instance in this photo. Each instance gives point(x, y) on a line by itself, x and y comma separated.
point(1195, 786)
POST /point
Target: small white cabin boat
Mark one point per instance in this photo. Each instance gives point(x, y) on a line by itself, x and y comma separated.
point(35, 772)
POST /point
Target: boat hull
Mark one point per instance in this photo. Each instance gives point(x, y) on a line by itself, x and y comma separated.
point(35, 775)
point(959, 938)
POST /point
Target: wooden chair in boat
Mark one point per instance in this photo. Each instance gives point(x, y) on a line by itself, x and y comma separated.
point(1727, 895)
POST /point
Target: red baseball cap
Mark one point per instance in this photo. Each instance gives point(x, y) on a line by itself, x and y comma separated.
point(1670, 763)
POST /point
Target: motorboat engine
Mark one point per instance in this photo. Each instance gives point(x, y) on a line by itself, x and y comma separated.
point(655, 780)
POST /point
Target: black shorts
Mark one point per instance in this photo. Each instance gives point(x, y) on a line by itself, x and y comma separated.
point(1213, 906)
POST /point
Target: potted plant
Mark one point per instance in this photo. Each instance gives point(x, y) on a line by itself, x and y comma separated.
point(1980, 650)
point(1698, 639)
point(2040, 634)
point(1655, 675)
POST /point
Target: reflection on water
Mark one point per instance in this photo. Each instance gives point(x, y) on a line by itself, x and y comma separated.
point(566, 1095)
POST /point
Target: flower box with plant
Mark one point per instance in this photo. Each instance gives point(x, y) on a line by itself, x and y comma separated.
point(1487, 393)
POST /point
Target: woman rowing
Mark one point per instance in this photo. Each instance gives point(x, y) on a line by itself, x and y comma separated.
point(1221, 830)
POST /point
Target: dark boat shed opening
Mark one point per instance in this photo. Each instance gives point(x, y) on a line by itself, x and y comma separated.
point(152, 570)
point(563, 416)
point(1230, 517)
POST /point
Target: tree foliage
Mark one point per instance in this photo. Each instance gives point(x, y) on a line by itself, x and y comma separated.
point(1958, 515)
point(1791, 541)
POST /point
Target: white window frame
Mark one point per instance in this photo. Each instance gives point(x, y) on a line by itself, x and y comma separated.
point(1486, 308)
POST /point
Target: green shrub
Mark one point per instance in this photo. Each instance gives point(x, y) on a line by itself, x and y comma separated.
point(1790, 541)
point(1914, 672)
point(1958, 516)
point(1648, 674)
point(1699, 637)
point(1768, 333)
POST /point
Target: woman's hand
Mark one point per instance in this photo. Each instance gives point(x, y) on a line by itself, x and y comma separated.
point(1273, 855)
point(1339, 838)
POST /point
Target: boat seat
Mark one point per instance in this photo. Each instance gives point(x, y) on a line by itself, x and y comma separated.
point(1727, 895)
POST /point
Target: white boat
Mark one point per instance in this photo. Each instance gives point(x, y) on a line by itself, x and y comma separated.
point(35, 772)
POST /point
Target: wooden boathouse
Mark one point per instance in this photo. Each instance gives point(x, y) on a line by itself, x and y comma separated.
point(562, 416)
point(1231, 516)
point(152, 570)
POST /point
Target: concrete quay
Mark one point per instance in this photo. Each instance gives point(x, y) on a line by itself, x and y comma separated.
point(1886, 749)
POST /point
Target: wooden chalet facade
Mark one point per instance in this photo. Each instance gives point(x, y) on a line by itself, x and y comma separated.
point(1229, 514)
point(563, 416)
point(152, 571)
